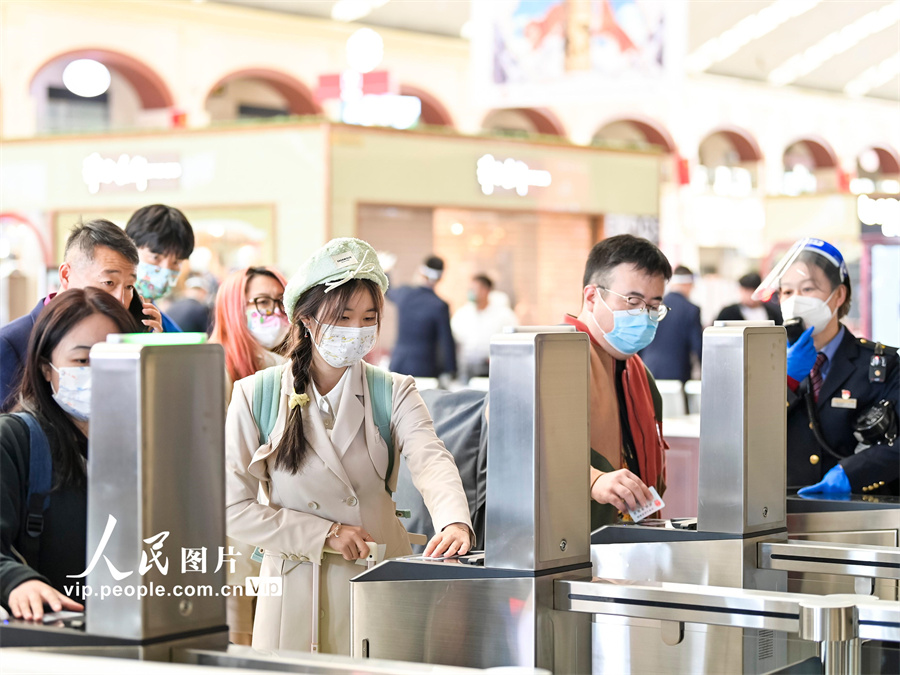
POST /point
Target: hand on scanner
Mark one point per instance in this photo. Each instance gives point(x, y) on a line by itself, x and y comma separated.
point(453, 540)
point(27, 600)
point(835, 482)
point(801, 356)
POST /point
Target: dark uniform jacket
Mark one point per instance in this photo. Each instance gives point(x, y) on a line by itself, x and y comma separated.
point(13, 348)
point(63, 541)
point(874, 469)
point(677, 336)
point(425, 345)
point(734, 313)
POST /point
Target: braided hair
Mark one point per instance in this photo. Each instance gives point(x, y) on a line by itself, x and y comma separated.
point(292, 450)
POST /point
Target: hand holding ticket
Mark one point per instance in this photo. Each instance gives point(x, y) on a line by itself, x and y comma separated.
point(642, 512)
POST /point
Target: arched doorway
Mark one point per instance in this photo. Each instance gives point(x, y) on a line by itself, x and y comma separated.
point(877, 171)
point(633, 132)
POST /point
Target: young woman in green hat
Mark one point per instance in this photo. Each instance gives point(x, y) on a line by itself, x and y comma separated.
point(325, 468)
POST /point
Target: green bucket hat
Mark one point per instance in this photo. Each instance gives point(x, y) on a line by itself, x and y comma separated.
point(333, 265)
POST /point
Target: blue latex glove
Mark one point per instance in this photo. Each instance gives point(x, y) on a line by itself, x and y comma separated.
point(801, 356)
point(835, 482)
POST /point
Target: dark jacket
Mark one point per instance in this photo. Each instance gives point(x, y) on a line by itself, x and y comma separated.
point(63, 544)
point(13, 349)
point(733, 313)
point(807, 460)
point(460, 423)
point(678, 335)
point(191, 315)
point(425, 346)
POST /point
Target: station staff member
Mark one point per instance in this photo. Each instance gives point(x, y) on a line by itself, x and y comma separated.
point(834, 380)
point(622, 302)
point(324, 465)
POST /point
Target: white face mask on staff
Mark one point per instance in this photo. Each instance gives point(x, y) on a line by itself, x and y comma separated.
point(342, 346)
point(813, 311)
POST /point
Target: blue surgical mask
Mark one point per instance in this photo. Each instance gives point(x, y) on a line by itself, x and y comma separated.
point(154, 281)
point(630, 333)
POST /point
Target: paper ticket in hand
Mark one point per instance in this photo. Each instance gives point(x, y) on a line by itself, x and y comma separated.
point(652, 507)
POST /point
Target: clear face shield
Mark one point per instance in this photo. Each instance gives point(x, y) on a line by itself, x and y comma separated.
point(811, 267)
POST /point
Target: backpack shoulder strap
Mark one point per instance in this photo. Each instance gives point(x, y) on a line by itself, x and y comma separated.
point(381, 386)
point(40, 483)
point(266, 397)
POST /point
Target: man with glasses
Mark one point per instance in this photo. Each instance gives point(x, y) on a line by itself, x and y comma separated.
point(622, 304)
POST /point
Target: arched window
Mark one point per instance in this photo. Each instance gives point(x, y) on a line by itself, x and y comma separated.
point(630, 132)
point(877, 171)
point(729, 163)
point(809, 166)
point(255, 93)
point(523, 122)
point(104, 90)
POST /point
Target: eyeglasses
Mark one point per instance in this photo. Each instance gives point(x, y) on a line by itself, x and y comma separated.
point(266, 305)
point(638, 306)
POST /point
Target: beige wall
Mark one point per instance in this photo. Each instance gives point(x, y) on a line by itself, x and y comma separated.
point(382, 167)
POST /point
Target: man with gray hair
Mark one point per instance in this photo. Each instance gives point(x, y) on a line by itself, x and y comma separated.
point(98, 253)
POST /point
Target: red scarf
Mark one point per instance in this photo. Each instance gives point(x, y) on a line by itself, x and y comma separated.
point(646, 430)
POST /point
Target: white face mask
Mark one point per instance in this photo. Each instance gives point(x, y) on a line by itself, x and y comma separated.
point(815, 312)
point(342, 346)
point(267, 330)
point(74, 392)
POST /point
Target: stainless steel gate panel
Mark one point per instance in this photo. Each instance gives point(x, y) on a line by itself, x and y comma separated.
point(488, 618)
point(157, 467)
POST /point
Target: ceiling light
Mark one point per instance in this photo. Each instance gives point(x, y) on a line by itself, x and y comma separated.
point(835, 43)
point(365, 49)
point(874, 77)
point(86, 77)
point(745, 31)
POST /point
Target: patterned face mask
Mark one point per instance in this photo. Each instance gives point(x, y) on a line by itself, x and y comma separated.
point(342, 346)
point(154, 281)
point(268, 330)
point(74, 392)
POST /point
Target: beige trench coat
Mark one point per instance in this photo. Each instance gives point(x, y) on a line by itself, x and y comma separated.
point(342, 480)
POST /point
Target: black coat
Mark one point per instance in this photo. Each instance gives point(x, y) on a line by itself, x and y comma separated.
point(63, 542)
point(425, 346)
point(678, 336)
point(807, 461)
point(13, 348)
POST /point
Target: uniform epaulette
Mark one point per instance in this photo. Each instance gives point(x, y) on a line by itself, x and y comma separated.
point(871, 344)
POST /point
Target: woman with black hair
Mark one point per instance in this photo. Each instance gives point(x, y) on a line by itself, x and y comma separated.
point(328, 465)
point(53, 399)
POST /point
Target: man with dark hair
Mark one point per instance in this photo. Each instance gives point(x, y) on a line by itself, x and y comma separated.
point(99, 254)
point(425, 346)
point(749, 308)
point(475, 322)
point(622, 303)
point(164, 239)
point(681, 336)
